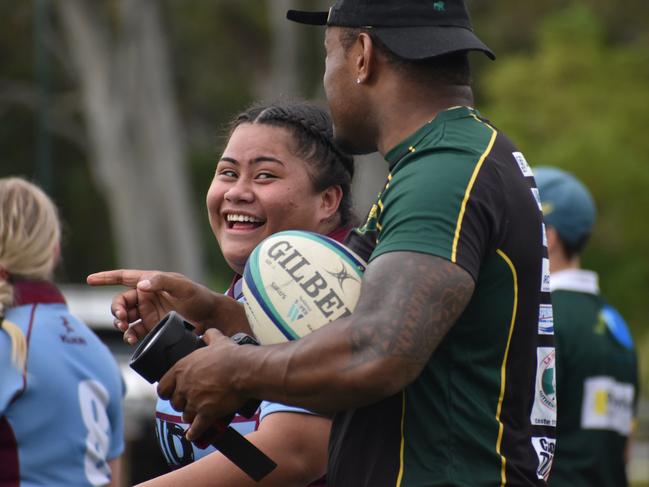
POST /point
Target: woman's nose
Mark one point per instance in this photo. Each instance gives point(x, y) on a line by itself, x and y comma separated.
point(240, 191)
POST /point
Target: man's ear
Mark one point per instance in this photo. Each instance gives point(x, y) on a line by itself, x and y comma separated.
point(552, 236)
point(365, 58)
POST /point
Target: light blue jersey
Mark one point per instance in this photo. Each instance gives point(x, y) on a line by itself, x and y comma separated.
point(61, 417)
point(170, 428)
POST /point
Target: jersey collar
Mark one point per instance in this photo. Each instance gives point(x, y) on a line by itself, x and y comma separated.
point(409, 144)
point(36, 292)
point(579, 280)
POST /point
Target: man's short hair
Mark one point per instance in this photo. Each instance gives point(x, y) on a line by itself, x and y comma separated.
point(448, 69)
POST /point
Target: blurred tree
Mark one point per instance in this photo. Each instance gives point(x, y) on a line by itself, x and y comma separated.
point(223, 55)
point(283, 79)
point(136, 147)
point(578, 101)
point(20, 126)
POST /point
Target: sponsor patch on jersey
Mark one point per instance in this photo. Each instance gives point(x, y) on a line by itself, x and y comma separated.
point(544, 448)
point(544, 409)
point(545, 276)
point(522, 164)
point(607, 405)
point(546, 320)
point(537, 197)
point(544, 235)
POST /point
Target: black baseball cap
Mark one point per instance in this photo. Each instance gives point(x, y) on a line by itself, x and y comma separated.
point(412, 29)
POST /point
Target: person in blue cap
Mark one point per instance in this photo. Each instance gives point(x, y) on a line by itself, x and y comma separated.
point(597, 377)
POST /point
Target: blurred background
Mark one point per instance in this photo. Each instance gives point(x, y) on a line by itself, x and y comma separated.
point(117, 108)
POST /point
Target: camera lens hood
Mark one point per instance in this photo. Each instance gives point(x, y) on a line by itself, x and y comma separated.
point(170, 340)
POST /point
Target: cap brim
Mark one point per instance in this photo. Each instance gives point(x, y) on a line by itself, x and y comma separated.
point(311, 18)
point(425, 42)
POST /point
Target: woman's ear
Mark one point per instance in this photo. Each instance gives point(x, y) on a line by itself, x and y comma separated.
point(330, 200)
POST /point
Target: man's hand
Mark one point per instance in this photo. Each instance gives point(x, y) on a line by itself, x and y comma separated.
point(201, 386)
point(153, 294)
point(408, 303)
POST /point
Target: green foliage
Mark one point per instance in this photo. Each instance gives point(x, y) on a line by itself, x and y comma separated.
point(87, 237)
point(569, 86)
point(579, 102)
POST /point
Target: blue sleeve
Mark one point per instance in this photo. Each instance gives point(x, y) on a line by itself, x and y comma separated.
point(267, 408)
point(11, 379)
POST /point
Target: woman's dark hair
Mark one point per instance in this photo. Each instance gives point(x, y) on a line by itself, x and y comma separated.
point(312, 132)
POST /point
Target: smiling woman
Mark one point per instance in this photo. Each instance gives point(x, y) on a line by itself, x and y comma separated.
point(279, 171)
point(261, 188)
point(287, 179)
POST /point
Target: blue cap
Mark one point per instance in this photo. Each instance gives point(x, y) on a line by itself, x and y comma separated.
point(567, 204)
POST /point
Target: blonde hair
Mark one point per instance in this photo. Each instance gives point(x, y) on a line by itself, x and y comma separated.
point(30, 234)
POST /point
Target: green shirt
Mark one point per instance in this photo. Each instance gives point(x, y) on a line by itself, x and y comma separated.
point(597, 384)
point(482, 411)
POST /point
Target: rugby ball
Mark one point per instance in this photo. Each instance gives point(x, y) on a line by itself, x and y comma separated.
point(296, 281)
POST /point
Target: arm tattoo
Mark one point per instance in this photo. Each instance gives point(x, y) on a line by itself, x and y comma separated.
point(415, 299)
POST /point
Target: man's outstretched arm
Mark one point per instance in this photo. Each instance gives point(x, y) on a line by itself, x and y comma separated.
point(153, 294)
point(408, 303)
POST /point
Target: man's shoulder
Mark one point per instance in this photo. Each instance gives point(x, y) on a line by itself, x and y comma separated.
point(573, 307)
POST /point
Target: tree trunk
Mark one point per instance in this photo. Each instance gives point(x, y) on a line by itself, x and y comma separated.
point(283, 79)
point(137, 152)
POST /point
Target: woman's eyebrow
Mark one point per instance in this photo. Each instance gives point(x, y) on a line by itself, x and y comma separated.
point(256, 160)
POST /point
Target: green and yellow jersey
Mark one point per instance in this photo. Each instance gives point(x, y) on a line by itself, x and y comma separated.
point(483, 410)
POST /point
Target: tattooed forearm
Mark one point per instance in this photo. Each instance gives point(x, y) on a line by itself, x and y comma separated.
point(417, 298)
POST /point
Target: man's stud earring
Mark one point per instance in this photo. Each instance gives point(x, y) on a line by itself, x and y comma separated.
point(358, 81)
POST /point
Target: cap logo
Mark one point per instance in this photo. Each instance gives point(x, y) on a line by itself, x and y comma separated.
point(547, 208)
point(439, 6)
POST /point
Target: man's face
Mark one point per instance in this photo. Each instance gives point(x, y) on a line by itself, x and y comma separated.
point(346, 99)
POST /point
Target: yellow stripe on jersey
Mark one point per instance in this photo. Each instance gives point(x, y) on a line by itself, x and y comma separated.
point(403, 438)
point(387, 183)
point(467, 192)
point(503, 368)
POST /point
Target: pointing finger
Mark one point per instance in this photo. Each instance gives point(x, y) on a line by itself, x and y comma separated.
point(124, 277)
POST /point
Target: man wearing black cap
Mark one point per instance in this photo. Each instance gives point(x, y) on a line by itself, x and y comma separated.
point(441, 375)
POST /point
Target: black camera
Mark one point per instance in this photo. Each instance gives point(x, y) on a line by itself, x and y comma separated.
point(172, 339)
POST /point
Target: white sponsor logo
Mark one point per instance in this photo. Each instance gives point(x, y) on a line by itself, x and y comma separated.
point(608, 405)
point(537, 197)
point(544, 409)
point(522, 163)
point(545, 235)
point(544, 448)
point(546, 320)
point(545, 276)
